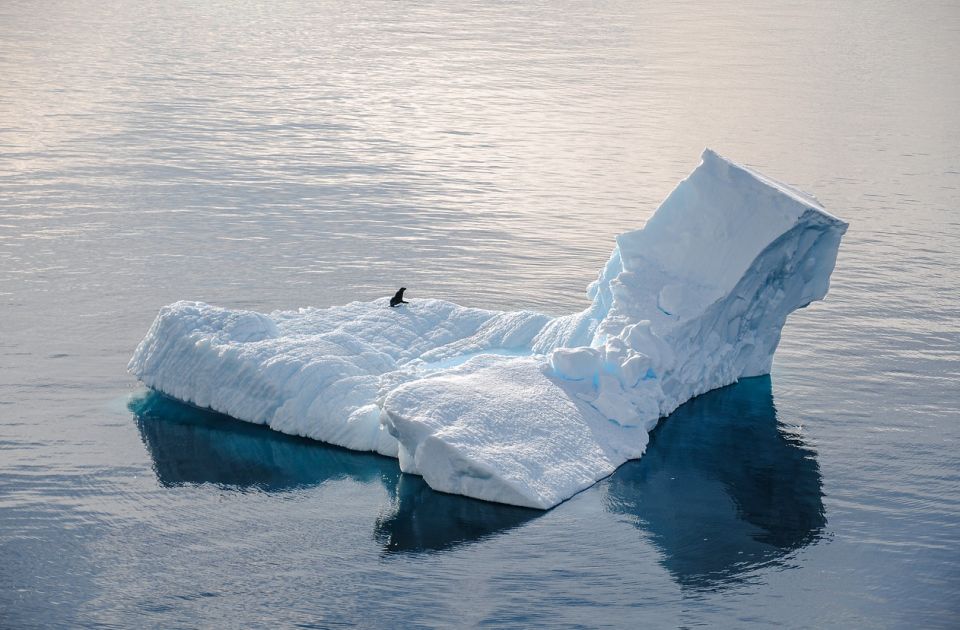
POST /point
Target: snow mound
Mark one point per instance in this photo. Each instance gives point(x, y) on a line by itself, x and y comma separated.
point(519, 407)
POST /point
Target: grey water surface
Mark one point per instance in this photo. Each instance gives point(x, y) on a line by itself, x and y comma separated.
point(272, 155)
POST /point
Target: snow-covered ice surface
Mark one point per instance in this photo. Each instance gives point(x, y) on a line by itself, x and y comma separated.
point(519, 407)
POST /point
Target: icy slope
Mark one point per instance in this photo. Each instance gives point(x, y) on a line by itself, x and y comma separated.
point(518, 407)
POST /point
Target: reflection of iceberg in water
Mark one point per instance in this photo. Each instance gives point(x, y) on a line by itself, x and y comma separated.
point(721, 489)
point(424, 519)
point(194, 446)
point(191, 445)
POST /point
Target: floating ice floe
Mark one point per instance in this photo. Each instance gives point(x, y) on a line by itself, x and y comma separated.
point(519, 407)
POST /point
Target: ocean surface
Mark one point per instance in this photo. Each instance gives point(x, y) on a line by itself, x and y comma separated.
point(273, 155)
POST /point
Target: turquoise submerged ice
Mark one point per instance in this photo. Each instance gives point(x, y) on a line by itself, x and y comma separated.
point(519, 407)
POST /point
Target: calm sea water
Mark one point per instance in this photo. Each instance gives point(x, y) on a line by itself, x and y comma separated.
point(274, 155)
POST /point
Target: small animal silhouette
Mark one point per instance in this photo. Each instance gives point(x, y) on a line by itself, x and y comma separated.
point(398, 298)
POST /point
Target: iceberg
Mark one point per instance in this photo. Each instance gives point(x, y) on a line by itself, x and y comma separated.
point(519, 407)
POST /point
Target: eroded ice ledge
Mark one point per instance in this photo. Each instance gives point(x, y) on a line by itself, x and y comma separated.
point(519, 407)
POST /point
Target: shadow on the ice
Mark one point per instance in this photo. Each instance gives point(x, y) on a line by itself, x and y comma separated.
point(195, 446)
point(723, 489)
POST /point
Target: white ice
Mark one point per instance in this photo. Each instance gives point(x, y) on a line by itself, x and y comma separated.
point(519, 407)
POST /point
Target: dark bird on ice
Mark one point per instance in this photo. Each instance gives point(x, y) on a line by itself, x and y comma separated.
point(398, 298)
